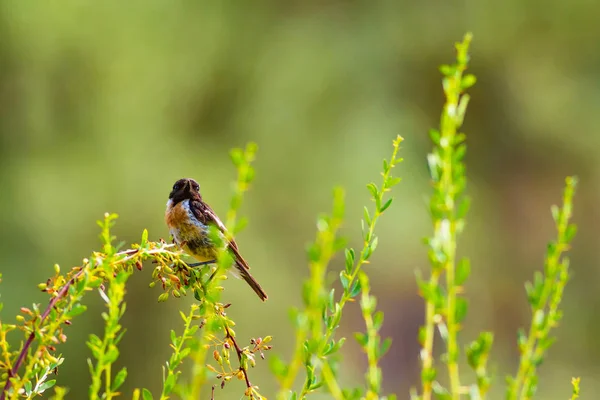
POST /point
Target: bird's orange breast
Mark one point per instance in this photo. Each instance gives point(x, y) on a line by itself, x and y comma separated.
point(176, 215)
point(189, 233)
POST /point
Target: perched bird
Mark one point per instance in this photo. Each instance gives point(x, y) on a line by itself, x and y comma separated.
point(188, 218)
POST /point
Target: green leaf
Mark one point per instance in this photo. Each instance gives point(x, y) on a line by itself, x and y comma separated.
point(366, 216)
point(146, 395)
point(46, 385)
point(467, 81)
point(392, 181)
point(385, 346)
point(435, 136)
point(386, 205)
point(111, 355)
point(463, 270)
point(374, 243)
point(331, 300)
point(314, 252)
point(170, 383)
point(463, 207)
point(356, 287)
point(349, 259)
point(361, 338)
point(373, 189)
point(75, 311)
point(459, 153)
point(237, 157)
point(521, 339)
point(119, 379)
point(345, 280)
point(378, 320)
point(555, 213)
point(570, 233)
point(144, 241)
point(461, 309)
point(447, 70)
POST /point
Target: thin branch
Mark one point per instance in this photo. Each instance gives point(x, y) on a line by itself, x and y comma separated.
point(13, 371)
point(239, 352)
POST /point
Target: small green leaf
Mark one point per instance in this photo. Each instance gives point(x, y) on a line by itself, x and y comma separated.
point(237, 157)
point(366, 216)
point(374, 243)
point(119, 379)
point(570, 233)
point(345, 280)
point(144, 241)
point(435, 136)
point(385, 346)
point(461, 309)
point(391, 181)
point(463, 270)
point(555, 213)
point(111, 355)
point(46, 385)
point(521, 339)
point(170, 383)
point(373, 189)
point(356, 287)
point(75, 311)
point(386, 205)
point(378, 320)
point(314, 252)
point(447, 70)
point(331, 300)
point(467, 81)
point(349, 259)
point(361, 338)
point(146, 395)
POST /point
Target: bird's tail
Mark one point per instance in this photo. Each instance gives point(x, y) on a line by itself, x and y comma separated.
point(241, 271)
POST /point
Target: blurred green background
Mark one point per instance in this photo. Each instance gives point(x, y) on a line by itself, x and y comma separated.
point(103, 105)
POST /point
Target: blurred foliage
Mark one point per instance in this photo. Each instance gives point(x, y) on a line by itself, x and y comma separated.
point(103, 106)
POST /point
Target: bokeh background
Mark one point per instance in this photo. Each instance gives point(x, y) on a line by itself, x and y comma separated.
point(103, 105)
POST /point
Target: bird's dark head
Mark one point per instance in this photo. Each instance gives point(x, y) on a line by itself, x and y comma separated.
point(184, 189)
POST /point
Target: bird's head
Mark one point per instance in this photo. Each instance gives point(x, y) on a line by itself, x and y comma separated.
point(184, 189)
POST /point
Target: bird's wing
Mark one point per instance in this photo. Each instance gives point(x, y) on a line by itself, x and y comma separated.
point(206, 215)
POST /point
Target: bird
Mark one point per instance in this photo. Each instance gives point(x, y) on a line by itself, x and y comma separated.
point(189, 217)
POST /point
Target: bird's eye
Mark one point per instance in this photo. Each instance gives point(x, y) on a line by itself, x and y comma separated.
point(196, 187)
point(176, 186)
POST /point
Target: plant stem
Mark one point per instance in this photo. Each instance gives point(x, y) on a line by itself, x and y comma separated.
point(27, 345)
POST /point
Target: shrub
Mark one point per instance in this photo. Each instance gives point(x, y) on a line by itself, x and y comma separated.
point(207, 337)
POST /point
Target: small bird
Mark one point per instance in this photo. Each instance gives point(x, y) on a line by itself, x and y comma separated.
point(188, 218)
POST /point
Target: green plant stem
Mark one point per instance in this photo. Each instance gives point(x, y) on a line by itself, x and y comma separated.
point(331, 381)
point(365, 251)
point(177, 358)
point(554, 281)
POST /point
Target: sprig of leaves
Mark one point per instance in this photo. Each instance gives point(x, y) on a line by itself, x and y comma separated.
point(448, 207)
point(371, 341)
point(308, 323)
point(544, 295)
point(181, 350)
point(106, 350)
point(316, 346)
